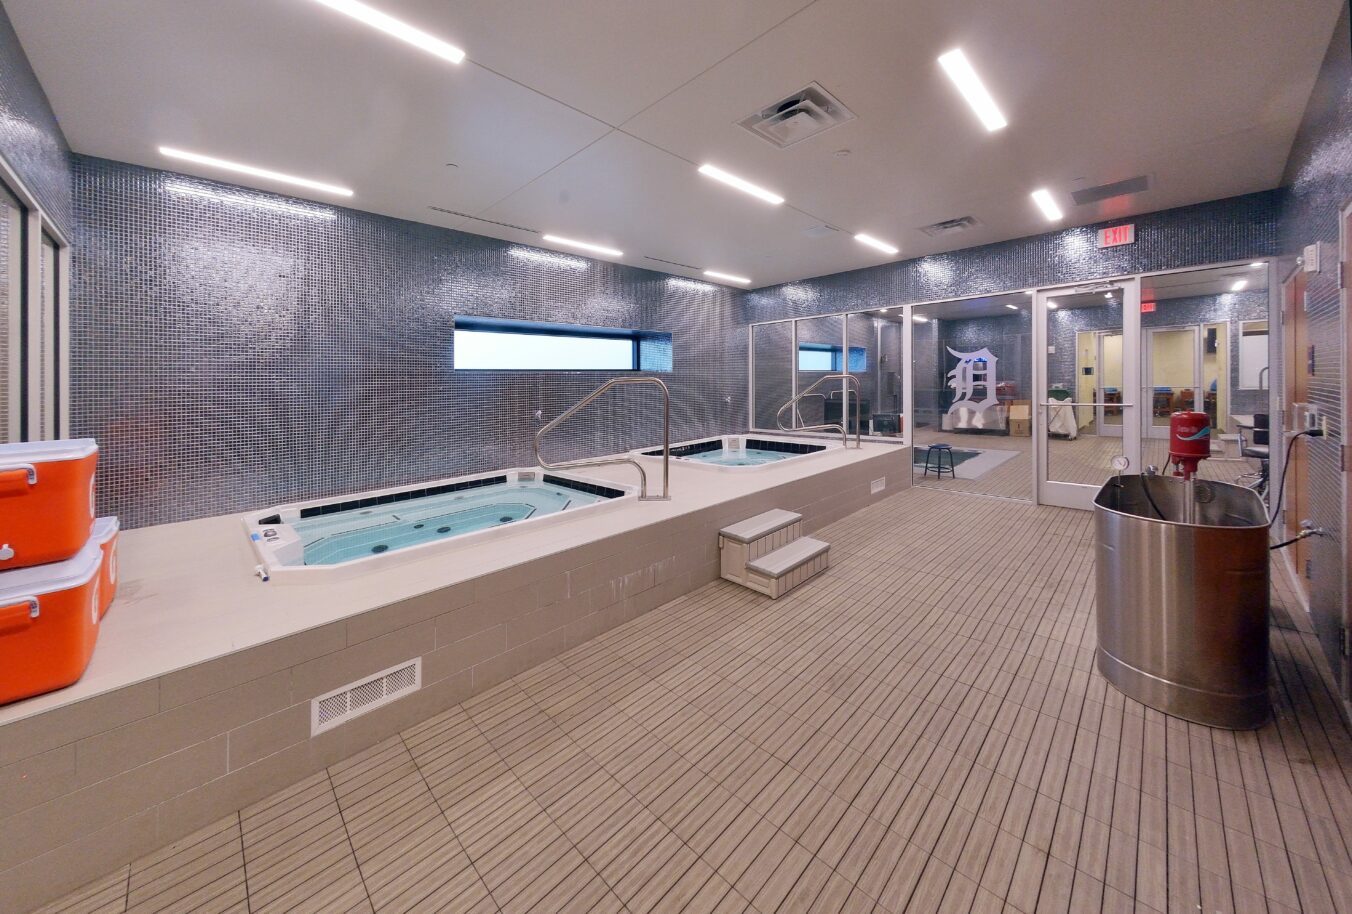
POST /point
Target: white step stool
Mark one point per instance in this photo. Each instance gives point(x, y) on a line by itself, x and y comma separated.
point(769, 554)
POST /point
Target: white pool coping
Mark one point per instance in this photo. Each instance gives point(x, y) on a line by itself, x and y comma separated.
point(727, 440)
point(188, 593)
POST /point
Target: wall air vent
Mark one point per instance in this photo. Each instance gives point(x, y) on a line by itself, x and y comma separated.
point(355, 699)
point(1087, 195)
point(949, 226)
point(803, 114)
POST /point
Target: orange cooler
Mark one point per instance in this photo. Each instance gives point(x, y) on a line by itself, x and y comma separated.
point(105, 535)
point(49, 620)
point(46, 500)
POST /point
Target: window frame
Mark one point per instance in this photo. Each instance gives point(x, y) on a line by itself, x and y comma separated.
point(511, 327)
point(36, 395)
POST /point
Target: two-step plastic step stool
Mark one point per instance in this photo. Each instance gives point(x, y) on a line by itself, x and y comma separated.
point(769, 553)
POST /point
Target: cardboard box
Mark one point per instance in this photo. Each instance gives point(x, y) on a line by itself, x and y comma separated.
point(1020, 409)
point(1021, 428)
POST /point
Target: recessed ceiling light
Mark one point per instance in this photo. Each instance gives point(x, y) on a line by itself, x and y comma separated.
point(391, 26)
point(267, 174)
point(1043, 198)
point(1012, 307)
point(583, 245)
point(745, 186)
point(919, 320)
point(960, 70)
point(876, 243)
point(1240, 286)
point(714, 274)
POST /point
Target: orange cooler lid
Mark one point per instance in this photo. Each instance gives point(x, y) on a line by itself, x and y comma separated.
point(47, 451)
point(22, 583)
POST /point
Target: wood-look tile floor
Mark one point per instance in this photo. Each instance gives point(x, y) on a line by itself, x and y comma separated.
point(1087, 459)
point(920, 729)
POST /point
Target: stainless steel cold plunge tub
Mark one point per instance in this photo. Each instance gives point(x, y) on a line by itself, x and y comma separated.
point(1183, 599)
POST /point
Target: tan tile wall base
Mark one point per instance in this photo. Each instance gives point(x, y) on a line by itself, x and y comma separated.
point(91, 786)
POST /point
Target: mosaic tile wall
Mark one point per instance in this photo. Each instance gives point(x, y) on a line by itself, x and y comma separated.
point(1319, 174)
point(30, 138)
point(234, 349)
point(1223, 230)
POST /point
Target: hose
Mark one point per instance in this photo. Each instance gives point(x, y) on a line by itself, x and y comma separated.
point(1286, 460)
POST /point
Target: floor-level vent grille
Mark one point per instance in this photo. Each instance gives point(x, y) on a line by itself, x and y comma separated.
point(355, 699)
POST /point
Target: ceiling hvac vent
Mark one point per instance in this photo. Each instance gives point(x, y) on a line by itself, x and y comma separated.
point(355, 699)
point(1087, 195)
point(803, 114)
point(949, 226)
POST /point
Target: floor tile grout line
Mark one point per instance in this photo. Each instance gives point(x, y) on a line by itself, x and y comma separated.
point(446, 817)
point(348, 835)
point(511, 770)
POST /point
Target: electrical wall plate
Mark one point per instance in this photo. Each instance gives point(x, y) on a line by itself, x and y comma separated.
point(1309, 258)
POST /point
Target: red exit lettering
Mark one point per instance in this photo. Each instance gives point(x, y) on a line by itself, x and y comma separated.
point(1116, 235)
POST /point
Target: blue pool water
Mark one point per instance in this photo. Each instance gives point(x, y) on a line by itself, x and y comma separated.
point(360, 532)
point(750, 457)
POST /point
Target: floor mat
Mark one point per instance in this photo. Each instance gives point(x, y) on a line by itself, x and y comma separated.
point(968, 463)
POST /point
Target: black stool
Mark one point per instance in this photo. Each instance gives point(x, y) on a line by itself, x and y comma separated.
point(937, 451)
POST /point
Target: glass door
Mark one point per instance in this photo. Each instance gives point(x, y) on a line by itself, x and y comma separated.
point(1085, 425)
point(1173, 375)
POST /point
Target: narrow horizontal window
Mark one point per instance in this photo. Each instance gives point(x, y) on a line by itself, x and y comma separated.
point(823, 357)
point(490, 344)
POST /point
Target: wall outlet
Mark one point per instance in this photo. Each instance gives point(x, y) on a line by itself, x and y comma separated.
point(877, 486)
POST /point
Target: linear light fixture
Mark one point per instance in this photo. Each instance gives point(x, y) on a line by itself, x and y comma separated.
point(583, 245)
point(960, 70)
point(1043, 198)
point(1240, 286)
point(919, 320)
point(714, 274)
point(876, 243)
point(1012, 307)
point(1052, 306)
point(368, 15)
point(745, 186)
point(265, 173)
point(1258, 266)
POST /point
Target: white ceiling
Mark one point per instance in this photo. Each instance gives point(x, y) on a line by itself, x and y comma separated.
point(588, 118)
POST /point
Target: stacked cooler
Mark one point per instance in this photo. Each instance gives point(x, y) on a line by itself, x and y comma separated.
point(58, 565)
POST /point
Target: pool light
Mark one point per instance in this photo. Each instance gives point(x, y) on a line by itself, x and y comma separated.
point(368, 15)
point(265, 173)
point(583, 245)
point(876, 244)
point(960, 70)
point(1043, 198)
point(745, 186)
point(714, 274)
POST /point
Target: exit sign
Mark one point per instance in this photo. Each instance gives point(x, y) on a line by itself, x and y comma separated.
point(1118, 234)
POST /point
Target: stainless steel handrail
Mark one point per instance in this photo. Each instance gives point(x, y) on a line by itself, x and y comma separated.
point(830, 426)
point(607, 461)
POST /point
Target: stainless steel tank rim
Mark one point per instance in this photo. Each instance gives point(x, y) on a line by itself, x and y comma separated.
point(1181, 523)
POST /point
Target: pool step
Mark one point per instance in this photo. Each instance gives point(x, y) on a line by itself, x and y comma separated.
point(769, 553)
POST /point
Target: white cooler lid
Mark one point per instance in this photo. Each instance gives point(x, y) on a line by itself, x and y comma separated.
point(53, 578)
point(45, 451)
point(105, 528)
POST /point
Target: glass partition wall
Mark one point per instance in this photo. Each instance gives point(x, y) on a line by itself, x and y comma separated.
point(789, 357)
point(971, 365)
point(1034, 393)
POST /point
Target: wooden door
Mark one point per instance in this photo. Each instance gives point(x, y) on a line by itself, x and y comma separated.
point(1296, 367)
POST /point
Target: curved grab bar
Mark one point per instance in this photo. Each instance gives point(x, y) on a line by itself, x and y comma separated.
point(831, 426)
point(607, 461)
